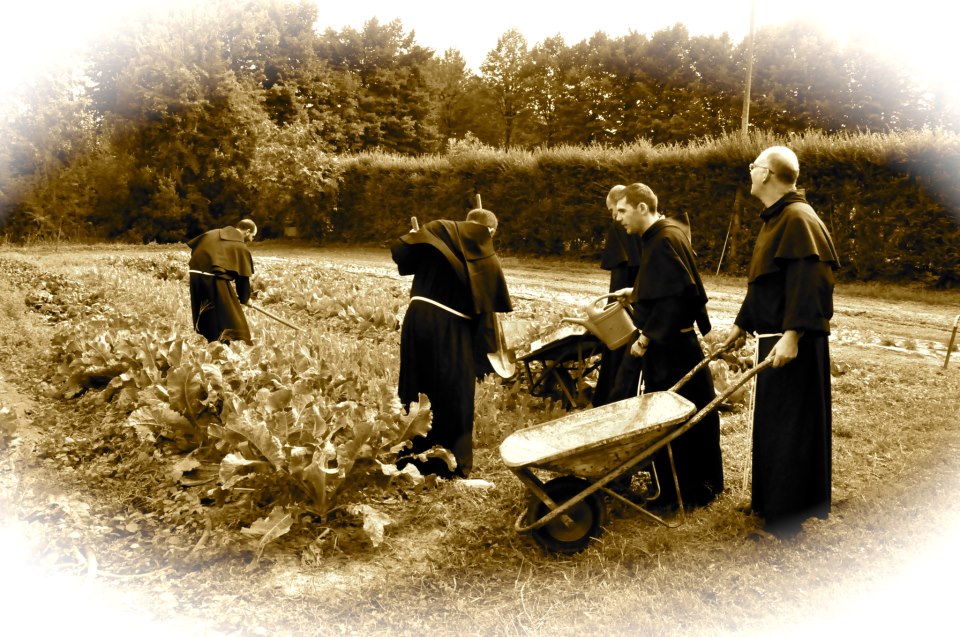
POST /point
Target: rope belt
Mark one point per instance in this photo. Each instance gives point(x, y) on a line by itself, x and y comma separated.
point(440, 305)
point(686, 330)
point(203, 273)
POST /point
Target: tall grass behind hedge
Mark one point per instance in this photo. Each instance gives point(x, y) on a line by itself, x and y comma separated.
point(890, 200)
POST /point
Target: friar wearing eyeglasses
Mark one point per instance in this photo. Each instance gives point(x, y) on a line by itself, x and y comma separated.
point(788, 307)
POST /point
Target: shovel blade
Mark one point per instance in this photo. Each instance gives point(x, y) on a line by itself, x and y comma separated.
point(502, 365)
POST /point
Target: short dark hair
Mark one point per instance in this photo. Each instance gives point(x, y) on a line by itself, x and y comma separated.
point(483, 217)
point(637, 193)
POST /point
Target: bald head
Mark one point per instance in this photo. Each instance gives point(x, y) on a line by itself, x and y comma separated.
point(783, 164)
point(773, 174)
point(248, 228)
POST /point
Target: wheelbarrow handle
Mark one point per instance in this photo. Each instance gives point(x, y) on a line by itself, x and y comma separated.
point(703, 363)
point(729, 391)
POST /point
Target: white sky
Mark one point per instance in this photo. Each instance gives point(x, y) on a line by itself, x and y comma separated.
point(919, 33)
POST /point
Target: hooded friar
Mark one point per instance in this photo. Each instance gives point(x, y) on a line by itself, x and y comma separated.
point(790, 287)
point(218, 257)
point(458, 285)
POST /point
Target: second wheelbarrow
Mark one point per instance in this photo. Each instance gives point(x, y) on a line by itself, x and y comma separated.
point(592, 448)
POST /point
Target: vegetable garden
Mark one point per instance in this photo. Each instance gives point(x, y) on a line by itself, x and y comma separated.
point(277, 460)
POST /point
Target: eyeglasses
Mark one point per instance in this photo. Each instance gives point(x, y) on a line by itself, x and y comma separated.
point(752, 166)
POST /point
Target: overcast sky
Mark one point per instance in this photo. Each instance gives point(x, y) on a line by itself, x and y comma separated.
point(919, 33)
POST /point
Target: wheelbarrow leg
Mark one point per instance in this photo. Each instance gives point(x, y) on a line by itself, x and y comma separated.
point(639, 508)
point(562, 383)
point(676, 480)
point(536, 487)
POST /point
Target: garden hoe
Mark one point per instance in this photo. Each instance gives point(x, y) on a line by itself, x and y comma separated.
point(274, 317)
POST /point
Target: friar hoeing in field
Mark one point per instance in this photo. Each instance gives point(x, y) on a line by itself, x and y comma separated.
point(458, 285)
point(219, 257)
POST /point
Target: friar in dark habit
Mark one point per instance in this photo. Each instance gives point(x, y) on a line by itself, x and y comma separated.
point(458, 285)
point(788, 306)
point(220, 269)
point(669, 300)
point(621, 257)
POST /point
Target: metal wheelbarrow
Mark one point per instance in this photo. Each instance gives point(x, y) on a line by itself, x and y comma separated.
point(592, 448)
point(560, 369)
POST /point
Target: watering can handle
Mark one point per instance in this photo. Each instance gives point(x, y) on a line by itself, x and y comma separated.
point(593, 303)
point(611, 295)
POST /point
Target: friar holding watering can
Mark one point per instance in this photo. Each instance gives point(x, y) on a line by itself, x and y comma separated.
point(668, 299)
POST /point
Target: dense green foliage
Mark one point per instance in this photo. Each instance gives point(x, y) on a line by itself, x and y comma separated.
point(889, 200)
point(198, 116)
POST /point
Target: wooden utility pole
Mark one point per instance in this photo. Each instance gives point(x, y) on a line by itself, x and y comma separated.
point(745, 120)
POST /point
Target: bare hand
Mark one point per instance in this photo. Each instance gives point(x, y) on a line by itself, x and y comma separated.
point(785, 350)
point(639, 347)
point(623, 294)
point(735, 334)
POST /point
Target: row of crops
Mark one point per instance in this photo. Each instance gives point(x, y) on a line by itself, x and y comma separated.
point(293, 429)
point(289, 430)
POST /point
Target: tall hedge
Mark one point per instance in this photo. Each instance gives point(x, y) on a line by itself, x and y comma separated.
point(891, 201)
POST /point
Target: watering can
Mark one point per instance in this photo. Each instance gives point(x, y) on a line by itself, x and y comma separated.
point(609, 322)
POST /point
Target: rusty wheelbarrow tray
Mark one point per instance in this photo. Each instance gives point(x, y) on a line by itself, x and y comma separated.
point(564, 365)
point(590, 449)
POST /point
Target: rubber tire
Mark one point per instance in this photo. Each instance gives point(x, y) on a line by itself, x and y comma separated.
point(587, 515)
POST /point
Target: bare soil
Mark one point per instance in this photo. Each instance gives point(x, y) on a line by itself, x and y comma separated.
point(56, 582)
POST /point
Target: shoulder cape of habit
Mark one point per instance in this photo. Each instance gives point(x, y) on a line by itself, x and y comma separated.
point(791, 230)
point(468, 248)
point(224, 249)
point(619, 248)
point(667, 261)
point(667, 268)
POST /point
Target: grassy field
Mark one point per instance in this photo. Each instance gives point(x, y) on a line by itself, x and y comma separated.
point(73, 498)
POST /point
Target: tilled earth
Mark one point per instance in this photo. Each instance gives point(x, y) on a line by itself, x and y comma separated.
point(908, 325)
point(87, 593)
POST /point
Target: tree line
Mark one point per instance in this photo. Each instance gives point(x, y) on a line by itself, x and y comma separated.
point(227, 109)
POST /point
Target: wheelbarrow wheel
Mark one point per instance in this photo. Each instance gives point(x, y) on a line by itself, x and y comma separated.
point(587, 516)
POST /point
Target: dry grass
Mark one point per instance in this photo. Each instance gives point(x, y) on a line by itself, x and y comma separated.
point(451, 562)
point(712, 575)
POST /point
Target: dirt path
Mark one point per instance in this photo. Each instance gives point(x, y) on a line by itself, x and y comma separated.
point(908, 326)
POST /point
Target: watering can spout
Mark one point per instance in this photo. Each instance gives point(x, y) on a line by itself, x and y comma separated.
point(578, 321)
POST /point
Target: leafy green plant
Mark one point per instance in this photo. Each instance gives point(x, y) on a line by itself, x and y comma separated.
point(299, 424)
